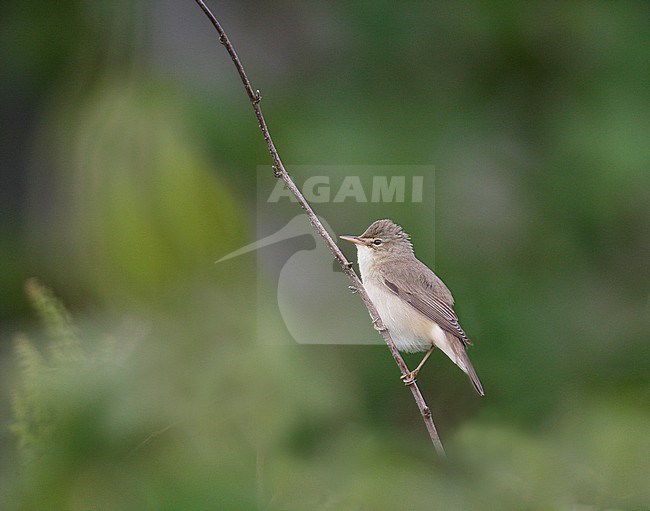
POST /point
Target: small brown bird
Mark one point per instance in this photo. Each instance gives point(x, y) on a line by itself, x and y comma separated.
point(413, 303)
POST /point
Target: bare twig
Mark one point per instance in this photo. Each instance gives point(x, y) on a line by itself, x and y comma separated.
point(280, 172)
point(152, 436)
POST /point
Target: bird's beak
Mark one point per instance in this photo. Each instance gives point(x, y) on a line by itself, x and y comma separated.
point(354, 239)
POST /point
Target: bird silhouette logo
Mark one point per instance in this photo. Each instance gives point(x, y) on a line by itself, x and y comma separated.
point(313, 298)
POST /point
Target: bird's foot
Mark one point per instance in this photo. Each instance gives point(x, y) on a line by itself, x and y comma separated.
point(353, 289)
point(378, 325)
point(409, 378)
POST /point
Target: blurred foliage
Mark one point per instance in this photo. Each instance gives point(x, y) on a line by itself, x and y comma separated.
point(128, 167)
point(145, 169)
point(32, 403)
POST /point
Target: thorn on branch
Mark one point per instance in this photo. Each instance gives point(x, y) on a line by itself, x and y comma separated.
point(353, 289)
point(222, 39)
point(257, 97)
point(276, 171)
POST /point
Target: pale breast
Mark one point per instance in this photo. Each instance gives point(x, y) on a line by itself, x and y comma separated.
point(410, 330)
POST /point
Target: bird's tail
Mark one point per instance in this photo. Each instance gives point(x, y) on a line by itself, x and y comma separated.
point(473, 377)
point(463, 361)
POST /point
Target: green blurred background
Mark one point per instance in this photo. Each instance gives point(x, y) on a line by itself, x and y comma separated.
point(128, 166)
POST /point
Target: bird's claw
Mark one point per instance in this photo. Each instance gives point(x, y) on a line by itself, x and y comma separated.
point(409, 378)
point(353, 289)
point(378, 325)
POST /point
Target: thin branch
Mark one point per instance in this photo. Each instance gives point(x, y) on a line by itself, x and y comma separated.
point(280, 172)
point(152, 436)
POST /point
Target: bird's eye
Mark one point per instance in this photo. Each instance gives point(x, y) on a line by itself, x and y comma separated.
point(376, 243)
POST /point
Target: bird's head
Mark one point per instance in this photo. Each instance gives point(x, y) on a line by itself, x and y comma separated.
point(382, 240)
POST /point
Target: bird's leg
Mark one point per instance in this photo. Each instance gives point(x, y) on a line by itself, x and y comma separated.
point(424, 359)
point(409, 378)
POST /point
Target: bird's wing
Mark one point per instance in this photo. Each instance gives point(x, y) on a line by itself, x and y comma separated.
point(427, 294)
